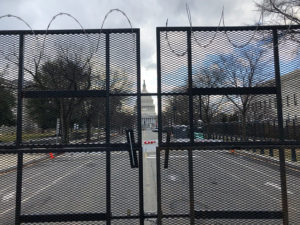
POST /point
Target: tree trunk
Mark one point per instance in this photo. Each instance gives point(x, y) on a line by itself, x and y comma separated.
point(244, 126)
point(64, 124)
point(88, 129)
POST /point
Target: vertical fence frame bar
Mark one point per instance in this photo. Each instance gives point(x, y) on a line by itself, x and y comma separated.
point(158, 184)
point(19, 130)
point(190, 81)
point(284, 197)
point(159, 86)
point(158, 175)
point(139, 125)
point(107, 130)
point(191, 120)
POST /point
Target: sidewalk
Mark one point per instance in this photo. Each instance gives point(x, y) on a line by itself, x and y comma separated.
point(8, 162)
point(288, 163)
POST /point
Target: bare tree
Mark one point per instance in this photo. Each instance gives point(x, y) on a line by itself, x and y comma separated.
point(209, 105)
point(243, 70)
point(280, 11)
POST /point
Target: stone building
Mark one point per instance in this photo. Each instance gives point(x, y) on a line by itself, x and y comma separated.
point(264, 107)
point(149, 117)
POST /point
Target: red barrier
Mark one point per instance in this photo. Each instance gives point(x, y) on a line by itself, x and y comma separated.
point(51, 155)
point(149, 142)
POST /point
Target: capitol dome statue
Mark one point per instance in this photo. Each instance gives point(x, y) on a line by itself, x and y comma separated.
point(149, 118)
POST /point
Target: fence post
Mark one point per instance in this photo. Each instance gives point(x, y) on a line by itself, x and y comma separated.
point(294, 129)
point(269, 130)
point(271, 152)
point(254, 133)
point(284, 198)
point(293, 155)
point(274, 126)
point(18, 199)
point(287, 129)
point(264, 133)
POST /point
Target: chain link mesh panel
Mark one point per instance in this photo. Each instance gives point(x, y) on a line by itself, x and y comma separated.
point(173, 68)
point(8, 88)
point(69, 183)
point(290, 83)
point(8, 162)
point(123, 117)
point(123, 63)
point(56, 121)
point(125, 188)
point(76, 93)
point(232, 87)
point(64, 62)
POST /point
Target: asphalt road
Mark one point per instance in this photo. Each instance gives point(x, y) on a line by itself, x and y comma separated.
point(76, 183)
point(72, 183)
point(225, 182)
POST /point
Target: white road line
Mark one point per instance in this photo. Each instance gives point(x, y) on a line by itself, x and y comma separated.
point(35, 174)
point(258, 171)
point(246, 183)
point(8, 196)
point(277, 187)
point(220, 157)
point(46, 187)
point(242, 181)
point(14, 185)
point(175, 156)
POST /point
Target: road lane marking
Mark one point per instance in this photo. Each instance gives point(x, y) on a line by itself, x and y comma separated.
point(42, 172)
point(220, 157)
point(175, 156)
point(242, 181)
point(253, 186)
point(8, 196)
point(258, 171)
point(277, 187)
point(46, 187)
point(14, 185)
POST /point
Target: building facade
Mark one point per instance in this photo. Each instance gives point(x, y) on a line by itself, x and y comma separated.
point(264, 107)
point(149, 117)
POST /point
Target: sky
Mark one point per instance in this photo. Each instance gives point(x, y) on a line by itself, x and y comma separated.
point(146, 15)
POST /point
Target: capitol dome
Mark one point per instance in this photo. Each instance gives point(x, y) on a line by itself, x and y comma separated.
point(149, 117)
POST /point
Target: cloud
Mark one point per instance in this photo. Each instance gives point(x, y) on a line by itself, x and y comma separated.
point(146, 15)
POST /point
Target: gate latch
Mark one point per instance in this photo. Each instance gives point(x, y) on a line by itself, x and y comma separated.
point(132, 150)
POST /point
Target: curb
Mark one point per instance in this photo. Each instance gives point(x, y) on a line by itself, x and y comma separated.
point(272, 160)
point(9, 169)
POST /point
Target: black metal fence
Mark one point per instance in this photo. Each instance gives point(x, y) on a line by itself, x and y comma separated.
point(72, 107)
point(70, 141)
point(220, 86)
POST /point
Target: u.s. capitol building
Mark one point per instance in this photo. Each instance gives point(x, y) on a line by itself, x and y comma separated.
point(149, 117)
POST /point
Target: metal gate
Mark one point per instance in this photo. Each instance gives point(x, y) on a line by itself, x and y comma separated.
point(227, 102)
point(71, 140)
